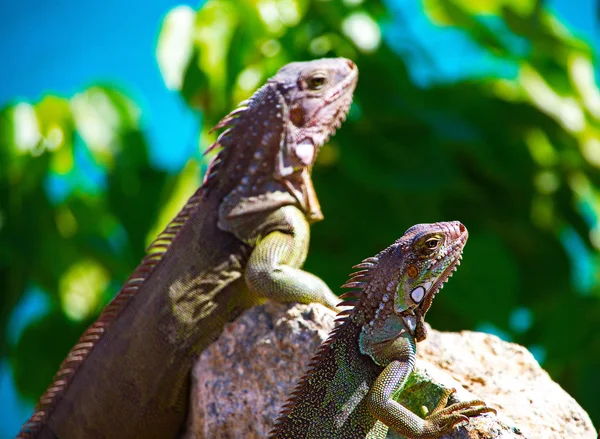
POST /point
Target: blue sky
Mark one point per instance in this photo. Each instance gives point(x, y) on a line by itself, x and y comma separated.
point(63, 46)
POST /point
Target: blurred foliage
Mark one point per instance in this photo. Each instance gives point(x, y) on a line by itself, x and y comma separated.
point(516, 159)
point(77, 198)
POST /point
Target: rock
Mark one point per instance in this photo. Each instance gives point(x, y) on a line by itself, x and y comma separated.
point(243, 378)
point(509, 379)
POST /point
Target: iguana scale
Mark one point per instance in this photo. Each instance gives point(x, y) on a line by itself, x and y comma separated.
point(348, 389)
point(240, 239)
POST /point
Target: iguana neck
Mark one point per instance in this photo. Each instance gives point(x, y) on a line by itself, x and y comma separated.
point(255, 144)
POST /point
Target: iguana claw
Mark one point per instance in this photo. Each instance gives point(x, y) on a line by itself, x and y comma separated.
point(445, 417)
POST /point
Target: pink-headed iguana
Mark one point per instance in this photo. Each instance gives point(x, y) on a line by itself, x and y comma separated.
point(349, 388)
point(240, 239)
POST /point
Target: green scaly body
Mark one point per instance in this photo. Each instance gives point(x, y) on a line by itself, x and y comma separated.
point(348, 389)
point(241, 239)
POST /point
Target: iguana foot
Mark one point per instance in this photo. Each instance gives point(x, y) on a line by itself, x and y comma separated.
point(444, 418)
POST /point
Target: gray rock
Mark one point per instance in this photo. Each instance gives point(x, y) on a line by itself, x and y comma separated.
point(509, 379)
point(241, 381)
point(243, 378)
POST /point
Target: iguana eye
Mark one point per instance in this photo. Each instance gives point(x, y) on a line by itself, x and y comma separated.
point(432, 243)
point(317, 81)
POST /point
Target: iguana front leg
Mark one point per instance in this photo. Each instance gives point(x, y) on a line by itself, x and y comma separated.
point(400, 356)
point(273, 269)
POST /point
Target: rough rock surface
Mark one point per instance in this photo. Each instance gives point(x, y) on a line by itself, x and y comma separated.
point(242, 379)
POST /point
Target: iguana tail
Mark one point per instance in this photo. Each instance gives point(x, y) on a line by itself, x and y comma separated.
point(51, 398)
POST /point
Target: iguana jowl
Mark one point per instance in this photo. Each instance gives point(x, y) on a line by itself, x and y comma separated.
point(239, 240)
point(347, 391)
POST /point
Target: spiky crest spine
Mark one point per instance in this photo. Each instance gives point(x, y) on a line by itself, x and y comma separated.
point(350, 299)
point(229, 122)
point(154, 253)
point(94, 333)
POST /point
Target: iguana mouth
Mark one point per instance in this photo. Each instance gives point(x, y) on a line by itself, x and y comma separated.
point(456, 256)
point(343, 90)
point(349, 83)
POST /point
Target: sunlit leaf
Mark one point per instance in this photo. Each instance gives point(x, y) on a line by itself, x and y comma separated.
point(363, 31)
point(26, 129)
point(216, 22)
point(101, 117)
point(81, 289)
point(439, 11)
point(175, 45)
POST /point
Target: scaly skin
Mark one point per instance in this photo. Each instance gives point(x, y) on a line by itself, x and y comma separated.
point(241, 239)
point(347, 391)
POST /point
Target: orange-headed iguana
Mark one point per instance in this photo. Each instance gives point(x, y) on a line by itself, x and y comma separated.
point(240, 239)
point(348, 391)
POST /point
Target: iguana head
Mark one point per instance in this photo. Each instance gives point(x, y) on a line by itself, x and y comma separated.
point(428, 254)
point(318, 95)
point(404, 278)
point(276, 134)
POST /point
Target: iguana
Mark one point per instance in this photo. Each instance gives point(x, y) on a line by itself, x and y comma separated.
point(240, 239)
point(348, 389)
